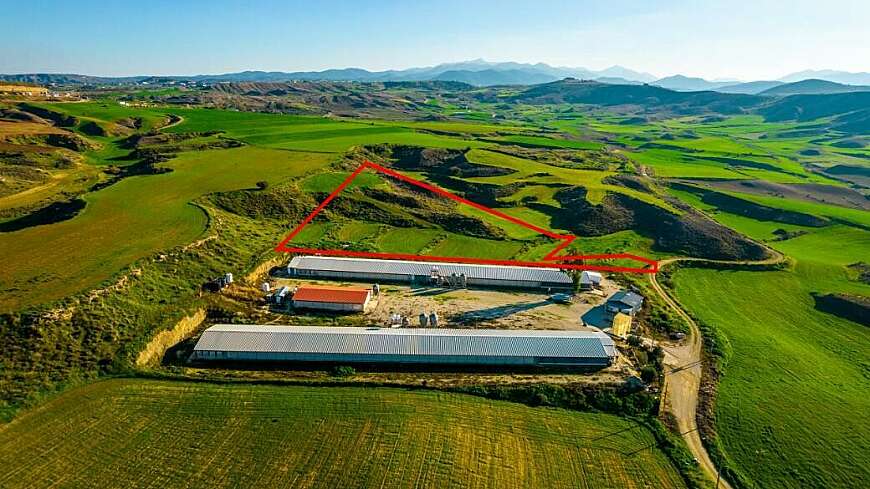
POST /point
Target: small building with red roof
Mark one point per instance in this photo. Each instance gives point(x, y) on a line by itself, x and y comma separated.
point(327, 298)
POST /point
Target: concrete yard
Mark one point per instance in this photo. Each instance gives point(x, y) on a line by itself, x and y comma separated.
point(478, 308)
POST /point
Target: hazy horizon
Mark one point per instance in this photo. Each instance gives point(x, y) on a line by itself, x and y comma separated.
point(718, 40)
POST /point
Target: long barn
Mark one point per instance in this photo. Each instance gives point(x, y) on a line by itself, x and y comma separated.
point(419, 272)
point(233, 342)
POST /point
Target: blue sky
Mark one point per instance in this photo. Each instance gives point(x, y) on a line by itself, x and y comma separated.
point(760, 39)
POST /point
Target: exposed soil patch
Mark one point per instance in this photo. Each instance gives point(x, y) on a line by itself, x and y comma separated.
point(449, 162)
point(856, 174)
point(847, 306)
point(809, 192)
point(91, 128)
point(403, 207)
point(861, 271)
point(472, 308)
point(630, 181)
point(690, 233)
point(70, 141)
point(57, 118)
point(56, 212)
point(735, 205)
point(286, 203)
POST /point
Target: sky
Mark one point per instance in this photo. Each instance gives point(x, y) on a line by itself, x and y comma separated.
point(715, 39)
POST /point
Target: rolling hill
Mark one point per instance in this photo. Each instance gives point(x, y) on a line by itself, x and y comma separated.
point(494, 77)
point(752, 88)
point(589, 92)
point(845, 77)
point(851, 111)
point(813, 86)
point(688, 84)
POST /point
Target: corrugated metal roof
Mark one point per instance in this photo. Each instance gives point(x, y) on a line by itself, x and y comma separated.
point(406, 341)
point(621, 324)
point(342, 295)
point(627, 297)
point(420, 268)
point(587, 277)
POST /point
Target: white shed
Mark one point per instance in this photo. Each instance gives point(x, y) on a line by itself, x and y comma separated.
point(590, 280)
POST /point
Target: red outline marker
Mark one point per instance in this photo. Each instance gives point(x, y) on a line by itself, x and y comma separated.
point(551, 260)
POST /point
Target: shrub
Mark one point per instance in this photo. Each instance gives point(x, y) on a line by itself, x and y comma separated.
point(648, 373)
point(343, 371)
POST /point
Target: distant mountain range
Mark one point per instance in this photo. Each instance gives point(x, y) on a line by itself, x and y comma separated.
point(485, 73)
point(475, 72)
point(849, 111)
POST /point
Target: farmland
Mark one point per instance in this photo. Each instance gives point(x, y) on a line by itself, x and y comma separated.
point(173, 195)
point(205, 435)
point(108, 235)
point(781, 348)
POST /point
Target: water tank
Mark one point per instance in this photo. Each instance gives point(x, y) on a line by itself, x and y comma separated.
point(433, 319)
point(228, 278)
point(424, 320)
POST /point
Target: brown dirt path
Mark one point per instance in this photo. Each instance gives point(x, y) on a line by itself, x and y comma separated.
point(684, 367)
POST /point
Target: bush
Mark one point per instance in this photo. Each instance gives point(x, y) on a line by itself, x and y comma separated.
point(343, 371)
point(648, 374)
point(262, 185)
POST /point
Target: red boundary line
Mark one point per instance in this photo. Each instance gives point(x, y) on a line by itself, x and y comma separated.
point(551, 260)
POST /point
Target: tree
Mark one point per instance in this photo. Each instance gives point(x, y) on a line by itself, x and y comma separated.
point(648, 374)
point(343, 371)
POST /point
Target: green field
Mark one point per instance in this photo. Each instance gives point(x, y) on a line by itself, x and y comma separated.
point(792, 403)
point(173, 434)
point(131, 219)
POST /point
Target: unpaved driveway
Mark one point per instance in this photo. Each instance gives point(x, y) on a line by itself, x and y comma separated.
point(682, 382)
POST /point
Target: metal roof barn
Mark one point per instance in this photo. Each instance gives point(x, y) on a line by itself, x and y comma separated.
point(405, 346)
point(352, 299)
point(364, 269)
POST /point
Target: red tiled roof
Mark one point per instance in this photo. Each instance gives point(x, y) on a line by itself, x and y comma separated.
point(319, 293)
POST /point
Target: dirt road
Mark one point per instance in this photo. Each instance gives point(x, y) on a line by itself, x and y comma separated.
point(683, 372)
point(175, 122)
point(683, 380)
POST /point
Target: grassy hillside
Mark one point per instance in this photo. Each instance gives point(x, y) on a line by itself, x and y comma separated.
point(167, 434)
point(794, 386)
point(131, 219)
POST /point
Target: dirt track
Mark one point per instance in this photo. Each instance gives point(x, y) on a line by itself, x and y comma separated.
point(683, 380)
point(684, 367)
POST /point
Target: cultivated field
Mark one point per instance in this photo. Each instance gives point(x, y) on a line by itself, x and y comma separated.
point(148, 434)
point(793, 376)
point(792, 398)
point(130, 220)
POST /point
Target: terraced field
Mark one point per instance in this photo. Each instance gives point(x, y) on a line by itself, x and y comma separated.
point(172, 434)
